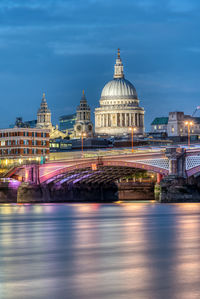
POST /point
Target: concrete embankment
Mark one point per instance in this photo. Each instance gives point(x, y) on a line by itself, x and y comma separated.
point(85, 193)
point(170, 190)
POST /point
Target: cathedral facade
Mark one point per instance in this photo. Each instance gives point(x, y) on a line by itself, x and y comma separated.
point(119, 106)
point(83, 124)
point(44, 120)
point(44, 115)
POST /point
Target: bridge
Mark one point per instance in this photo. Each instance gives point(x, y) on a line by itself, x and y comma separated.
point(110, 166)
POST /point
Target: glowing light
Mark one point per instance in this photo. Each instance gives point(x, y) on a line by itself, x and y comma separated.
point(26, 175)
point(189, 123)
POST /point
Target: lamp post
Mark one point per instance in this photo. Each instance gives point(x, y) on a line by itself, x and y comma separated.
point(188, 124)
point(82, 136)
point(132, 133)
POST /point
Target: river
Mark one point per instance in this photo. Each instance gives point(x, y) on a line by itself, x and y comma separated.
point(97, 251)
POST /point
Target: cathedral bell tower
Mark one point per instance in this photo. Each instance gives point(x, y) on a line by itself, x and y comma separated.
point(83, 123)
point(44, 115)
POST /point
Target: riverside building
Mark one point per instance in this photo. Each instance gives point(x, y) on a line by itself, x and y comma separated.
point(175, 125)
point(24, 143)
point(119, 106)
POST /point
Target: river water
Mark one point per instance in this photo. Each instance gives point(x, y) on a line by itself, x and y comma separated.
point(97, 251)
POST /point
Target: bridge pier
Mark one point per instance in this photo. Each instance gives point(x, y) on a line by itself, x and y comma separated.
point(32, 173)
point(32, 193)
point(176, 187)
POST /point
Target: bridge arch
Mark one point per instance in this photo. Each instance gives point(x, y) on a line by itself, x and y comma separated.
point(54, 174)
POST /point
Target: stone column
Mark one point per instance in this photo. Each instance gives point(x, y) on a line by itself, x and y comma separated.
point(120, 119)
point(172, 155)
point(104, 120)
point(130, 120)
point(125, 119)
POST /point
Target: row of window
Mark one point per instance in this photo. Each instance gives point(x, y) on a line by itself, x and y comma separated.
point(25, 142)
point(25, 151)
point(117, 102)
point(33, 134)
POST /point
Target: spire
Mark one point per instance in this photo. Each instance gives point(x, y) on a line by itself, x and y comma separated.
point(118, 73)
point(83, 98)
point(118, 53)
point(43, 98)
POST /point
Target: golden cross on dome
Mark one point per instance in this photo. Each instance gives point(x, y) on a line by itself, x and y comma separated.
point(83, 92)
point(43, 95)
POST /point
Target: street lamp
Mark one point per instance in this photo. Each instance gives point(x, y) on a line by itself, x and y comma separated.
point(133, 129)
point(82, 136)
point(189, 124)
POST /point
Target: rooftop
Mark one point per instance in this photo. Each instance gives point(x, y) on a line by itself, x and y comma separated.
point(160, 121)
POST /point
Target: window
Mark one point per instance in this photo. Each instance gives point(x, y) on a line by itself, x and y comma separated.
point(155, 127)
point(172, 129)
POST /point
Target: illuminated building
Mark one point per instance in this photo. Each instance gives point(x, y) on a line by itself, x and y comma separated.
point(119, 106)
point(24, 143)
point(174, 125)
point(44, 115)
point(83, 123)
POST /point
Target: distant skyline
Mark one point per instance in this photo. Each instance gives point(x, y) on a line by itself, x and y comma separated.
point(62, 47)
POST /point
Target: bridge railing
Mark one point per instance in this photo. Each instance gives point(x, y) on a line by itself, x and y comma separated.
point(100, 153)
point(14, 165)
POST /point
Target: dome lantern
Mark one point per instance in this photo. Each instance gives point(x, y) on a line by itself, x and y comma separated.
point(119, 68)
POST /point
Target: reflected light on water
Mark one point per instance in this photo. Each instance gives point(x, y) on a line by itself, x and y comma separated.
point(87, 251)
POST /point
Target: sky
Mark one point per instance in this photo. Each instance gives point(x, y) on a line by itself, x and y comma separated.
point(61, 47)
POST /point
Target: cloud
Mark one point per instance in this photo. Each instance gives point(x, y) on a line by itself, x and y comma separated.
point(64, 46)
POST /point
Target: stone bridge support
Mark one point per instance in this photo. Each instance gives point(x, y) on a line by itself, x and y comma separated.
point(176, 160)
point(32, 174)
point(175, 187)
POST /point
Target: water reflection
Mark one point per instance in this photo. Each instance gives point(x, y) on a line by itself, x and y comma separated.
point(133, 250)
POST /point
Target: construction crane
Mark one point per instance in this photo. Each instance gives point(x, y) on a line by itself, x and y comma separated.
point(197, 108)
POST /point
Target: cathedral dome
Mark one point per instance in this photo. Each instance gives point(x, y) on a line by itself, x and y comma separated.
point(119, 106)
point(119, 88)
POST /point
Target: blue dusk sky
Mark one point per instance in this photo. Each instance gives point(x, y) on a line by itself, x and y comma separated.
point(61, 47)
